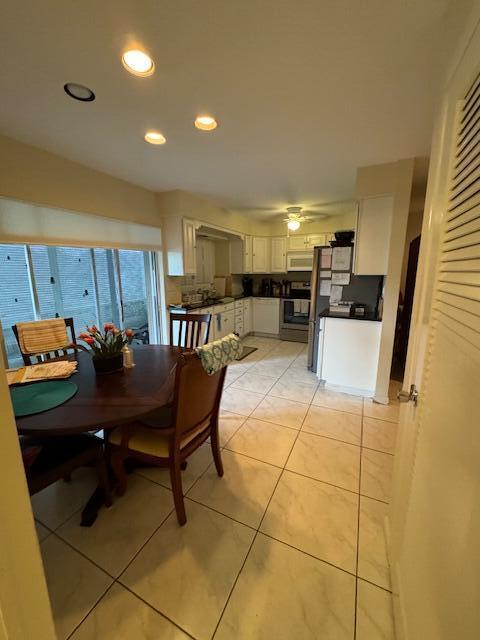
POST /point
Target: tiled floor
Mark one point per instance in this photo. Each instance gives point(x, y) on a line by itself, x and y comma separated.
point(288, 544)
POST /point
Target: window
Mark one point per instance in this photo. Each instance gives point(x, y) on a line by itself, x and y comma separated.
point(93, 286)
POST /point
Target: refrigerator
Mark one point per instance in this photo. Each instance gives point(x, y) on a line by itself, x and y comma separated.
point(330, 266)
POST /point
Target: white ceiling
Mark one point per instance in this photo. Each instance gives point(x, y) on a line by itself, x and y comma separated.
point(305, 91)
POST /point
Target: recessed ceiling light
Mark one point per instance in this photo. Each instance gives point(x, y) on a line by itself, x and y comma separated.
point(79, 92)
point(154, 137)
point(138, 62)
point(205, 123)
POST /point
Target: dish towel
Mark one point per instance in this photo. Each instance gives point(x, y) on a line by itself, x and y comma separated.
point(216, 355)
point(297, 307)
point(42, 336)
point(304, 307)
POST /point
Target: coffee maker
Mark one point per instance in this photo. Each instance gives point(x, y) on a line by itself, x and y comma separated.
point(266, 287)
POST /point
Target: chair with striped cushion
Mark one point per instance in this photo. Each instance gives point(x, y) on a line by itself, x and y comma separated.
point(45, 339)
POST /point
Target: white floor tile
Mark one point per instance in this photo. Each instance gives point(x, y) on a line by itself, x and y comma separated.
point(377, 470)
point(188, 572)
point(74, 584)
point(243, 492)
point(292, 390)
point(58, 502)
point(283, 594)
point(339, 401)
point(264, 441)
point(133, 518)
point(374, 613)
point(372, 549)
point(42, 532)
point(197, 463)
point(339, 425)
point(252, 381)
point(228, 424)
point(300, 374)
point(288, 413)
point(379, 434)
point(314, 517)
point(240, 401)
point(334, 462)
point(122, 616)
point(388, 412)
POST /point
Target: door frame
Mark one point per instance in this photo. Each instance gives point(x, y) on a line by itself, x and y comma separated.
point(463, 71)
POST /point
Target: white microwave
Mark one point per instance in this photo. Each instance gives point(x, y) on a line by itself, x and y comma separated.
point(300, 261)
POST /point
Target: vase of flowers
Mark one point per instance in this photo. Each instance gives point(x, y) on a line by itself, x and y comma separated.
point(106, 346)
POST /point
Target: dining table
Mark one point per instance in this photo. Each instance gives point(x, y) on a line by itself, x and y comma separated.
point(107, 401)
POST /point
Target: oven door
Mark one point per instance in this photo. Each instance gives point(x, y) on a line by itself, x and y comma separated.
point(301, 261)
point(294, 314)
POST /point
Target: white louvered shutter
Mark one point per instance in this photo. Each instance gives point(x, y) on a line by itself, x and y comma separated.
point(458, 290)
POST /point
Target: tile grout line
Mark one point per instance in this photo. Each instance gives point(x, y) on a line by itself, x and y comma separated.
point(358, 526)
point(256, 533)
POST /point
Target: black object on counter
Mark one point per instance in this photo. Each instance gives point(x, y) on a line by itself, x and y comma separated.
point(266, 287)
point(247, 284)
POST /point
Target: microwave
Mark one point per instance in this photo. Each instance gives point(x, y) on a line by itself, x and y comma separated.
point(300, 261)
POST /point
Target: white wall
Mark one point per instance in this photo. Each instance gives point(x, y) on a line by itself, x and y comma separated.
point(394, 178)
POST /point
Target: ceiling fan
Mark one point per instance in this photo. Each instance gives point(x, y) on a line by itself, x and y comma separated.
point(295, 217)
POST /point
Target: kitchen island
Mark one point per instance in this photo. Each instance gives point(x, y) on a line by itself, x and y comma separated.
point(348, 352)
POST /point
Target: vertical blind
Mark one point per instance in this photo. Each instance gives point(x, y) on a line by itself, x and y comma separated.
point(457, 302)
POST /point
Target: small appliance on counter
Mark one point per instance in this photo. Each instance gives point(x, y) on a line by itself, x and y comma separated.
point(342, 307)
point(286, 288)
point(247, 284)
point(266, 287)
point(343, 239)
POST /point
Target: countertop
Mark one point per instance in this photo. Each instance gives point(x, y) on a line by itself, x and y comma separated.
point(211, 303)
point(343, 316)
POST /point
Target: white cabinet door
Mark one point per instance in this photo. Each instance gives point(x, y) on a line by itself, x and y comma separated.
point(228, 323)
point(279, 255)
point(372, 240)
point(189, 247)
point(266, 318)
point(247, 316)
point(260, 255)
point(317, 240)
point(247, 255)
point(297, 243)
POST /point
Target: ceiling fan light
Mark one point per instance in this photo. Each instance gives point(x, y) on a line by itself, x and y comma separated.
point(293, 225)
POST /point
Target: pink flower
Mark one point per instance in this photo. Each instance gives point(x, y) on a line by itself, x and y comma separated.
point(89, 340)
point(108, 326)
point(84, 336)
point(129, 333)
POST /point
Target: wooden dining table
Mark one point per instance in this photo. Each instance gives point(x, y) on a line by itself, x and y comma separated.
point(106, 401)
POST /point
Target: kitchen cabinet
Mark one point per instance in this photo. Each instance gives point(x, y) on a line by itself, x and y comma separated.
point(266, 315)
point(372, 238)
point(247, 254)
point(261, 254)
point(247, 316)
point(308, 242)
point(348, 353)
point(180, 243)
point(279, 255)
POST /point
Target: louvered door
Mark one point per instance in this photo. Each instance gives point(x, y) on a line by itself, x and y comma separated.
point(435, 521)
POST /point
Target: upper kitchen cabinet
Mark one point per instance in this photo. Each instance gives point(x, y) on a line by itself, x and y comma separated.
point(248, 254)
point(180, 244)
point(279, 255)
point(261, 254)
point(307, 243)
point(372, 239)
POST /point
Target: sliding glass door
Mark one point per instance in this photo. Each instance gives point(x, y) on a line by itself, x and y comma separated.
point(93, 286)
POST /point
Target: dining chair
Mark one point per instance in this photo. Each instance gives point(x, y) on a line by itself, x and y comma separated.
point(47, 460)
point(175, 431)
point(189, 330)
point(60, 351)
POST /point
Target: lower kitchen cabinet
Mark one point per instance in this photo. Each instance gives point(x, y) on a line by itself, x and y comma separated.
point(266, 315)
point(348, 354)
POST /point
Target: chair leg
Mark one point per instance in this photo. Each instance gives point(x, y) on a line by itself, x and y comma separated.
point(117, 464)
point(103, 480)
point(176, 480)
point(214, 441)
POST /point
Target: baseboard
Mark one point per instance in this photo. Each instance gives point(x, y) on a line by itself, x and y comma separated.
point(259, 334)
point(381, 399)
point(354, 391)
point(399, 617)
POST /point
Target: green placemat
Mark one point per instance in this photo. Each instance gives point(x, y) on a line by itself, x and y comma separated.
point(41, 396)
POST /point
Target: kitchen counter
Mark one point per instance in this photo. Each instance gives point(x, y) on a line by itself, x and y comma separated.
point(213, 302)
point(368, 316)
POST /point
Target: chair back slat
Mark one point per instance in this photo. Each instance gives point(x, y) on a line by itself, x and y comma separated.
point(29, 359)
point(197, 395)
point(189, 330)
